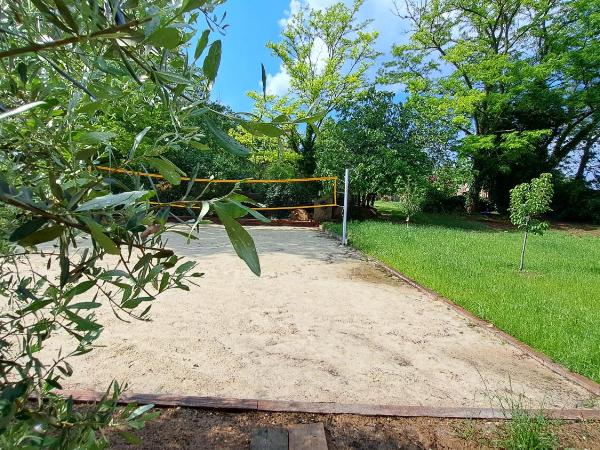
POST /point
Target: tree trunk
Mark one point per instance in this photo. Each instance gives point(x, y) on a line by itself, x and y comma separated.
point(585, 158)
point(308, 162)
point(473, 194)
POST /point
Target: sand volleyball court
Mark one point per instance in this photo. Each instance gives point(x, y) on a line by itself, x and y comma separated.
point(321, 324)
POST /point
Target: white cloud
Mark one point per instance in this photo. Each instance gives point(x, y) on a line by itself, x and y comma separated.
point(289, 12)
point(278, 84)
point(392, 30)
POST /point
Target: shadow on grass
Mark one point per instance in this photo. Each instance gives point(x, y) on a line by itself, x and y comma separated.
point(457, 221)
point(476, 222)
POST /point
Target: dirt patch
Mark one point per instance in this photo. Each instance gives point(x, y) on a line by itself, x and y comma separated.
point(321, 325)
point(577, 229)
point(372, 274)
point(192, 429)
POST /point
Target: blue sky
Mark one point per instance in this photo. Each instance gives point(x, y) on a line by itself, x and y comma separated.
point(252, 23)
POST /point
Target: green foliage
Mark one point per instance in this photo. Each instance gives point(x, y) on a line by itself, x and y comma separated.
point(411, 196)
point(327, 54)
point(519, 79)
point(445, 190)
point(549, 308)
point(67, 429)
point(575, 200)
point(530, 200)
point(527, 202)
point(374, 137)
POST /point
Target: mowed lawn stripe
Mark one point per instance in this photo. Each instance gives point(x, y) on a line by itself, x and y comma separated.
point(553, 306)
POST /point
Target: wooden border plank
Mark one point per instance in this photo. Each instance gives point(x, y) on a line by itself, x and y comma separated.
point(307, 436)
point(192, 401)
point(271, 438)
point(236, 404)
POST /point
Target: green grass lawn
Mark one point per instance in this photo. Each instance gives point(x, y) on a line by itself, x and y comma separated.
point(554, 305)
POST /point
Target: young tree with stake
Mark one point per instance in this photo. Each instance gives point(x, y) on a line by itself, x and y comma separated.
point(411, 197)
point(527, 202)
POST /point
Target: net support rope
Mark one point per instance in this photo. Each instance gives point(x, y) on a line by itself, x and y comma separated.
point(189, 203)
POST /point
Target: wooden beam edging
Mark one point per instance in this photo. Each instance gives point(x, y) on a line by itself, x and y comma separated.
point(546, 361)
point(235, 404)
point(166, 400)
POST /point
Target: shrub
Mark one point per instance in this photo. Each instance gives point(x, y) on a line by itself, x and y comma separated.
point(574, 200)
point(438, 202)
point(444, 187)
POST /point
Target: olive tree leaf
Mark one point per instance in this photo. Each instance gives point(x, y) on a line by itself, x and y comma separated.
point(82, 324)
point(240, 239)
point(224, 140)
point(264, 81)
point(41, 236)
point(66, 15)
point(202, 43)
point(137, 141)
point(168, 77)
point(164, 38)
point(311, 119)
point(51, 17)
point(139, 411)
point(211, 64)
point(189, 5)
point(167, 169)
point(248, 210)
point(101, 239)
point(94, 137)
point(81, 288)
point(84, 305)
point(22, 71)
point(111, 200)
point(26, 229)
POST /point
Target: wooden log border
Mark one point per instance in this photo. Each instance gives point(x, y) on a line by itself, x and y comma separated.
point(244, 405)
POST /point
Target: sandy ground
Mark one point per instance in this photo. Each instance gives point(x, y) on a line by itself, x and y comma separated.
point(321, 324)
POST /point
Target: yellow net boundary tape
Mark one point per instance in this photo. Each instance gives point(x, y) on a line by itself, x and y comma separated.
point(189, 204)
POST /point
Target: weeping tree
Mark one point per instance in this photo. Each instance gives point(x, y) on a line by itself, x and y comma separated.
point(79, 237)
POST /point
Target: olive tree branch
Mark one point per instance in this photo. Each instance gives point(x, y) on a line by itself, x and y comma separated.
point(35, 47)
point(69, 223)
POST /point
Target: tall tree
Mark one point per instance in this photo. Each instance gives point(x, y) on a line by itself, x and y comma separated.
point(327, 54)
point(520, 80)
point(376, 137)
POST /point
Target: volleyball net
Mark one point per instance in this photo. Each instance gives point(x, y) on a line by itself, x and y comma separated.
point(270, 194)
